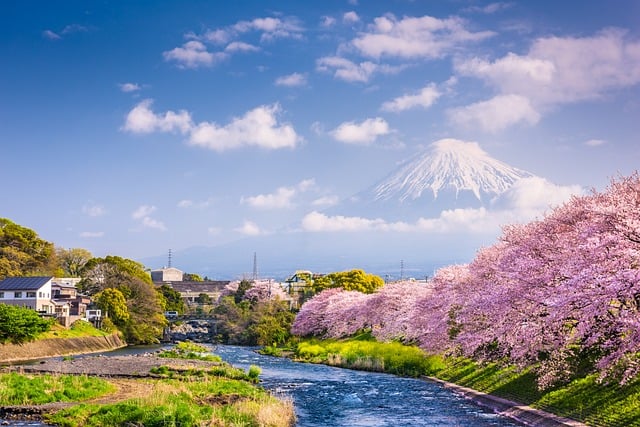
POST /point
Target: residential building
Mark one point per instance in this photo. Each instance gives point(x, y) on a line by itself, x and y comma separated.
point(30, 292)
point(167, 274)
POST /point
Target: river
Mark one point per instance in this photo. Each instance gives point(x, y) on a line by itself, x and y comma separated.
point(325, 396)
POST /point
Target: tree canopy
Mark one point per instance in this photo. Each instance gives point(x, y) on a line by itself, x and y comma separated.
point(19, 324)
point(143, 301)
point(353, 280)
point(22, 251)
point(72, 261)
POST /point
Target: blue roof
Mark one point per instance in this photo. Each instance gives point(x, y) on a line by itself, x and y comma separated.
point(23, 283)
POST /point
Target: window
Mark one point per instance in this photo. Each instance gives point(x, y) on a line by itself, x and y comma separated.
point(17, 294)
point(31, 294)
point(40, 295)
point(1, 294)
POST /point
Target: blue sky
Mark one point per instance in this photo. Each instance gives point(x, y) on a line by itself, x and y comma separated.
point(133, 127)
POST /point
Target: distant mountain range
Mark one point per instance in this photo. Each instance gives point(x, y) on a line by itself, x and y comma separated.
point(449, 174)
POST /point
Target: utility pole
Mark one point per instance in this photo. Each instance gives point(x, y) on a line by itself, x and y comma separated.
point(401, 269)
point(255, 266)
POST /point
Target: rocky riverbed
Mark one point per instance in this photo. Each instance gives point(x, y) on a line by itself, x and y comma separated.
point(138, 365)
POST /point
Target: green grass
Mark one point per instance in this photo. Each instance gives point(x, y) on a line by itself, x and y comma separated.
point(584, 399)
point(184, 403)
point(191, 351)
point(16, 389)
point(391, 357)
point(79, 328)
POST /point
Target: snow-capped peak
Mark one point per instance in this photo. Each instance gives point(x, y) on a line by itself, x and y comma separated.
point(449, 164)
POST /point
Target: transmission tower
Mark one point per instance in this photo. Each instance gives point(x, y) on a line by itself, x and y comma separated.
point(401, 269)
point(255, 266)
point(169, 264)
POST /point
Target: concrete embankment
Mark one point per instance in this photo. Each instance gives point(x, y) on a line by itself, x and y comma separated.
point(524, 414)
point(52, 347)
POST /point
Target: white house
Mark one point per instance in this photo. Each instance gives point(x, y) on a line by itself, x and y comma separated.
point(31, 292)
point(167, 274)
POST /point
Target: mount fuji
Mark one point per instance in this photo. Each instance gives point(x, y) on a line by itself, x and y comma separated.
point(449, 174)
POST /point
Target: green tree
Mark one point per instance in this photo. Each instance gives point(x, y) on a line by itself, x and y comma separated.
point(203, 299)
point(192, 277)
point(22, 251)
point(19, 324)
point(243, 287)
point(72, 261)
point(146, 319)
point(112, 302)
point(353, 280)
point(172, 299)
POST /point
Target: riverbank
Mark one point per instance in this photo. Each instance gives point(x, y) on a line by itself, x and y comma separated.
point(149, 389)
point(54, 347)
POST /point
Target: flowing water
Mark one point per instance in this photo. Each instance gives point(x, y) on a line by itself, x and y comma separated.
point(325, 396)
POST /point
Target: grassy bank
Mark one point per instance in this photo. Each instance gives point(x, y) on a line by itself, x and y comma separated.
point(179, 394)
point(583, 399)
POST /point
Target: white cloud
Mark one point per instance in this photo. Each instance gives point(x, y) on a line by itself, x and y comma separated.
point(490, 8)
point(250, 228)
point(92, 234)
point(595, 142)
point(349, 71)
point(241, 47)
point(292, 80)
point(326, 201)
point(153, 223)
point(258, 127)
point(142, 214)
point(496, 114)
point(350, 17)
point(524, 201)
point(560, 70)
point(217, 36)
point(327, 21)
point(415, 37)
point(142, 120)
point(364, 133)
point(281, 199)
point(193, 54)
point(129, 87)
point(214, 231)
point(93, 210)
point(188, 203)
point(142, 211)
point(530, 197)
point(271, 28)
point(318, 222)
point(425, 98)
point(48, 34)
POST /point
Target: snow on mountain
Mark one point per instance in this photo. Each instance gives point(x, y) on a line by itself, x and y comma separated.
point(448, 164)
point(449, 174)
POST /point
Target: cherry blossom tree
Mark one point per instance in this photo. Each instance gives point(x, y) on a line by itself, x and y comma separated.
point(557, 293)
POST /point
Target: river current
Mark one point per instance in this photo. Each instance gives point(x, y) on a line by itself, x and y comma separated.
point(325, 396)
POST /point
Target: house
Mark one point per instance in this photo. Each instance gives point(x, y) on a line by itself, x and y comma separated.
point(30, 292)
point(167, 274)
point(63, 290)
